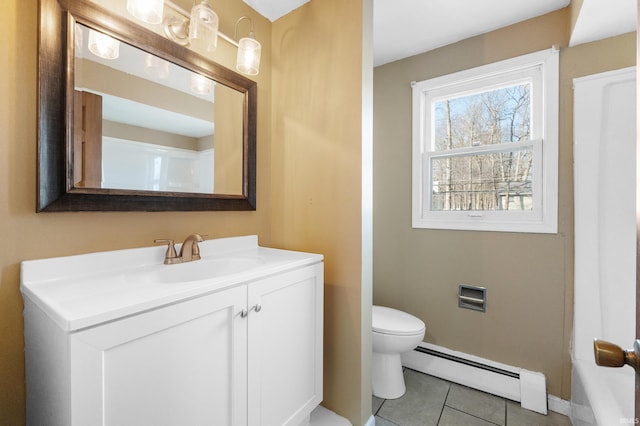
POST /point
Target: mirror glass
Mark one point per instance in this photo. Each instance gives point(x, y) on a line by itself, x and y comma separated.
point(128, 120)
point(144, 123)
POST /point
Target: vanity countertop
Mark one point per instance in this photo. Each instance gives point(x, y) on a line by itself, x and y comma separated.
point(81, 291)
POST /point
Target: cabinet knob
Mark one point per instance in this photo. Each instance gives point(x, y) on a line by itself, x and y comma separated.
point(257, 307)
point(244, 313)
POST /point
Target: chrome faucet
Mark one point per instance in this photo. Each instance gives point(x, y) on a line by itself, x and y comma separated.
point(189, 250)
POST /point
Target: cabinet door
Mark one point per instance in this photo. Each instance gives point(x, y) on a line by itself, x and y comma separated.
point(285, 346)
point(183, 364)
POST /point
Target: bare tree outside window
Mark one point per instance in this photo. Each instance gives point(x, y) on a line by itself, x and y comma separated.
point(469, 181)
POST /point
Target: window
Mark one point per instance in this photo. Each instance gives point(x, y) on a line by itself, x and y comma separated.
point(485, 147)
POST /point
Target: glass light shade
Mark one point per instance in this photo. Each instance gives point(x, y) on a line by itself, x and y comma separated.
point(248, 60)
point(103, 46)
point(203, 28)
point(79, 34)
point(149, 11)
point(156, 67)
point(200, 84)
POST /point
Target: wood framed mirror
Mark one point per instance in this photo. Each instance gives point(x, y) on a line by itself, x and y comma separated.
point(158, 128)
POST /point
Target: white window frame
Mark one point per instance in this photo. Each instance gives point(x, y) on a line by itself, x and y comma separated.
point(540, 68)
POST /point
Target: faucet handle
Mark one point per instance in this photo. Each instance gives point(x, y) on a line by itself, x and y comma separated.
point(170, 256)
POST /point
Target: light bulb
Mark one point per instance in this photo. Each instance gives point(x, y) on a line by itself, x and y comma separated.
point(156, 67)
point(200, 84)
point(248, 59)
point(149, 11)
point(103, 46)
point(203, 28)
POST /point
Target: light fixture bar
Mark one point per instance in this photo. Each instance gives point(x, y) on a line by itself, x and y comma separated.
point(227, 39)
point(187, 15)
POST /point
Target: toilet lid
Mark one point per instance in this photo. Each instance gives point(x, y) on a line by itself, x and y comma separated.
point(392, 321)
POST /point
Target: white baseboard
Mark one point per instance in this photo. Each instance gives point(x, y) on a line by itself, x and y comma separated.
point(517, 384)
point(558, 405)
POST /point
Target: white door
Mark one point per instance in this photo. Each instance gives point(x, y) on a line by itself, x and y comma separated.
point(285, 347)
point(610, 354)
point(184, 364)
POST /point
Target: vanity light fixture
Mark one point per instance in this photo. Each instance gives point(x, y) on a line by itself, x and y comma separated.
point(199, 28)
point(103, 46)
point(200, 84)
point(156, 67)
point(79, 42)
point(249, 50)
point(149, 11)
point(203, 27)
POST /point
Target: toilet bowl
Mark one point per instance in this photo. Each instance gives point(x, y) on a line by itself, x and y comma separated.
point(393, 332)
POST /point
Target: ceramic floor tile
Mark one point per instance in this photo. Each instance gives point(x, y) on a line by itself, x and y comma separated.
point(421, 405)
point(432, 401)
point(451, 417)
point(518, 416)
point(383, 422)
point(375, 404)
point(479, 404)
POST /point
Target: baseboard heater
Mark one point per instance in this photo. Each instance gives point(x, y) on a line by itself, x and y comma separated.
point(469, 362)
point(516, 384)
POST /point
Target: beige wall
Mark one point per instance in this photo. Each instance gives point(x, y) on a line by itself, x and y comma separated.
point(316, 177)
point(529, 277)
point(308, 183)
point(27, 235)
point(228, 153)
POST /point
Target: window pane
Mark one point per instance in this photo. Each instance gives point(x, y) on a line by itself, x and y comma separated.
point(483, 182)
point(491, 117)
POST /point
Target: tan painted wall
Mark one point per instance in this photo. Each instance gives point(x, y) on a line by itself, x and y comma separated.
point(316, 177)
point(308, 183)
point(227, 157)
point(27, 235)
point(529, 277)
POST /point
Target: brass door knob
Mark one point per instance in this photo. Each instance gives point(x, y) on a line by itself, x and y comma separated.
point(610, 355)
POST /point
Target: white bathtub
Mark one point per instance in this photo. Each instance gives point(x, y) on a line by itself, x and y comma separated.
point(604, 293)
point(601, 396)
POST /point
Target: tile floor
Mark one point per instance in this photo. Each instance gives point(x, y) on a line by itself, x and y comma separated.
point(433, 401)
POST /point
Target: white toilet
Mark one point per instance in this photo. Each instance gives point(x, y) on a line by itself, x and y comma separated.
point(394, 332)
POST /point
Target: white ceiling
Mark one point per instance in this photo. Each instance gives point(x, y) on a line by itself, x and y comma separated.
point(274, 9)
point(409, 27)
point(604, 18)
point(403, 28)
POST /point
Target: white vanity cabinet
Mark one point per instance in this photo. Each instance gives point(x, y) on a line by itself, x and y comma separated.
point(245, 352)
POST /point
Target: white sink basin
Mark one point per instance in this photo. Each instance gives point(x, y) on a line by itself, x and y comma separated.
point(85, 290)
point(198, 270)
